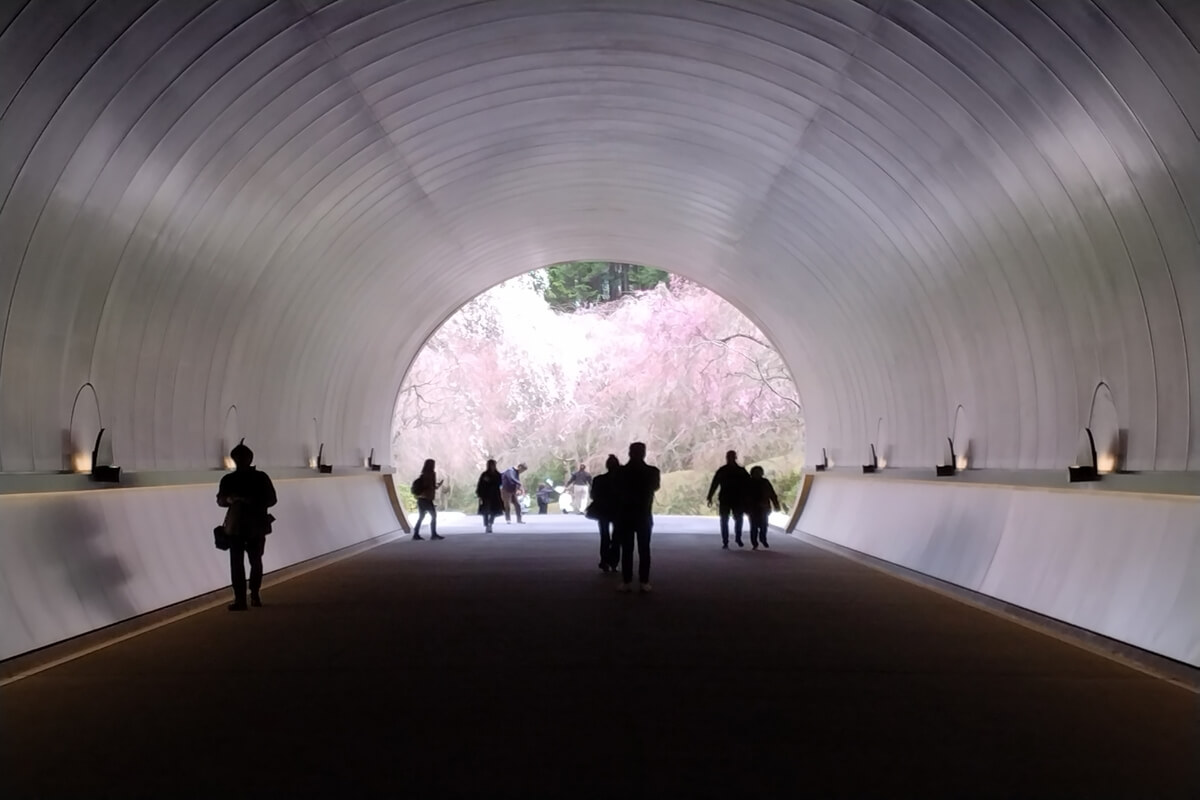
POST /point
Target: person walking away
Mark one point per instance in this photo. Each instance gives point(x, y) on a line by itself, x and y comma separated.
point(544, 492)
point(760, 499)
point(247, 493)
point(580, 484)
point(605, 496)
point(638, 483)
point(487, 489)
point(731, 479)
point(510, 490)
point(425, 489)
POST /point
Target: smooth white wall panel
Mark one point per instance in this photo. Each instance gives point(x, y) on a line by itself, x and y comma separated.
point(1121, 564)
point(71, 562)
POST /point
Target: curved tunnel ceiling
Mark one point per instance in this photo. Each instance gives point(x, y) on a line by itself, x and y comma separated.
point(927, 205)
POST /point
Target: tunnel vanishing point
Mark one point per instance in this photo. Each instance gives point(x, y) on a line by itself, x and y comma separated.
point(969, 227)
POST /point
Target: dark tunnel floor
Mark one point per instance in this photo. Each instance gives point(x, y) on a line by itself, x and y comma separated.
point(508, 665)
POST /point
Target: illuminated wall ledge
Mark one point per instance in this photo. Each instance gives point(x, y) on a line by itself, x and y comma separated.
point(75, 561)
point(1122, 565)
point(49, 482)
point(1149, 483)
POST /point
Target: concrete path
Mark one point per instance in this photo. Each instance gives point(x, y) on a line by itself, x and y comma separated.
point(507, 665)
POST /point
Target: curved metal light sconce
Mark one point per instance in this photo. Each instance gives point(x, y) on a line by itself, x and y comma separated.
point(950, 462)
point(824, 465)
point(874, 465)
point(322, 467)
point(103, 470)
point(1085, 471)
point(371, 465)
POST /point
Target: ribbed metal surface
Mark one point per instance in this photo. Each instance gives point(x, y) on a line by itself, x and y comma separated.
point(990, 204)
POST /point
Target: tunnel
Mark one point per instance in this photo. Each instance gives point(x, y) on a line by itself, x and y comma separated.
point(969, 227)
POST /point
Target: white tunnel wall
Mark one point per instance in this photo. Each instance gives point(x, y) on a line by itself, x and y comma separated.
point(990, 204)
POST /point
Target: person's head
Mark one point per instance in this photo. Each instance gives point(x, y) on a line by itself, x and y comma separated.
point(521, 467)
point(582, 466)
point(242, 455)
point(612, 462)
point(731, 457)
point(637, 451)
point(491, 465)
point(428, 467)
point(756, 472)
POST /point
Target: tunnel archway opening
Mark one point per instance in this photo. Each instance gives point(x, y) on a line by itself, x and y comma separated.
point(569, 363)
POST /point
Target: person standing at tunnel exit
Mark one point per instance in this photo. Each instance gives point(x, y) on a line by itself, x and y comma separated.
point(247, 493)
point(760, 499)
point(731, 478)
point(511, 490)
point(424, 488)
point(637, 482)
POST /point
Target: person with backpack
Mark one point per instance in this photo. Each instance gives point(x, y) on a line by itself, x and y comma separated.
point(760, 499)
point(487, 489)
point(424, 488)
point(247, 493)
point(511, 491)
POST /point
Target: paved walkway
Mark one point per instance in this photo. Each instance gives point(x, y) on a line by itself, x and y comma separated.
point(506, 665)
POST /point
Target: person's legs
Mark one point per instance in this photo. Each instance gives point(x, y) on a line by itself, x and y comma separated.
point(625, 536)
point(606, 545)
point(505, 498)
point(737, 524)
point(237, 572)
point(643, 544)
point(542, 504)
point(724, 509)
point(762, 528)
point(420, 519)
point(255, 549)
point(433, 534)
point(753, 529)
point(516, 501)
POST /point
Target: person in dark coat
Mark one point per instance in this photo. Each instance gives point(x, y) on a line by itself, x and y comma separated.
point(247, 493)
point(605, 491)
point(488, 491)
point(731, 479)
point(760, 499)
point(638, 481)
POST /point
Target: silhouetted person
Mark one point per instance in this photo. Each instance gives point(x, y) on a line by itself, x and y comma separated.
point(580, 484)
point(760, 499)
point(545, 493)
point(638, 482)
point(731, 479)
point(605, 499)
point(511, 490)
point(425, 489)
point(488, 491)
point(247, 493)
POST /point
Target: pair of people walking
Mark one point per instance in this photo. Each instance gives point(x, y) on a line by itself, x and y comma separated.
point(623, 506)
point(741, 494)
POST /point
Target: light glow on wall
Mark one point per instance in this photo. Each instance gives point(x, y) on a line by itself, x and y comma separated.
point(1106, 463)
point(81, 462)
